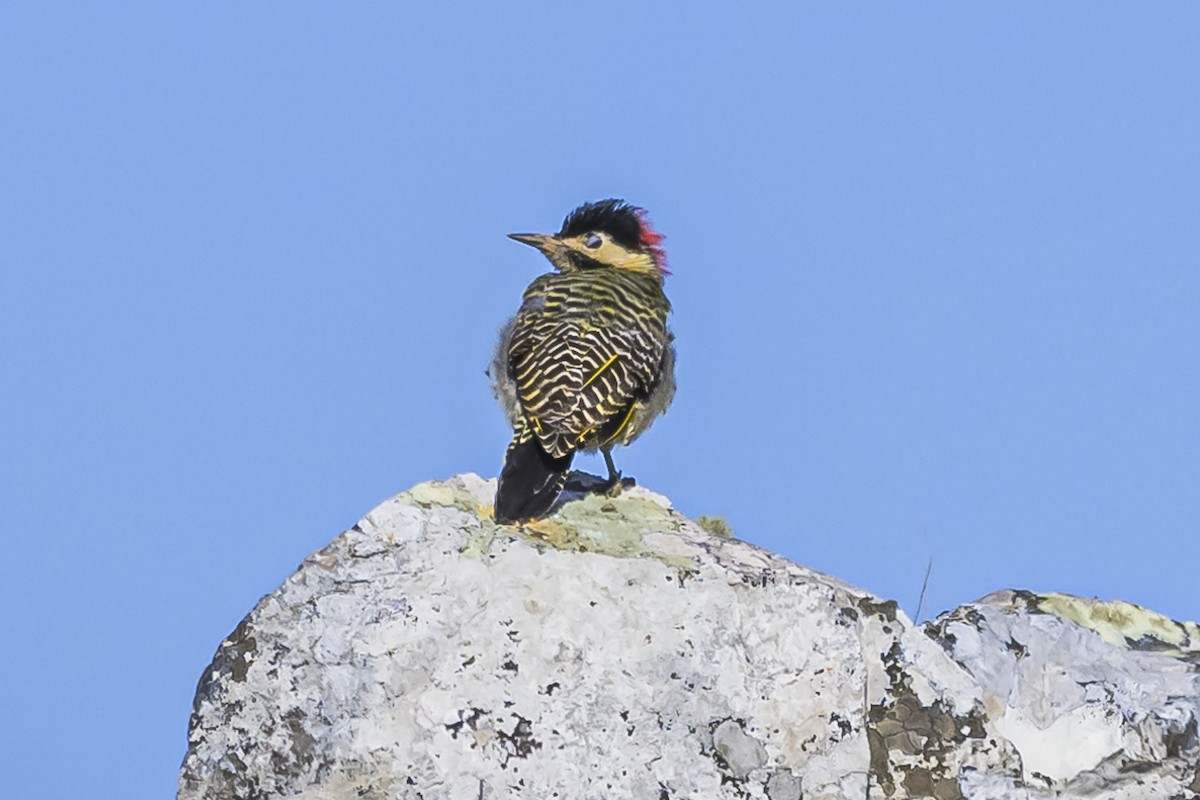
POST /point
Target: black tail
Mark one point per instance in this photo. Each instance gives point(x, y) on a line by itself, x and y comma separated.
point(530, 482)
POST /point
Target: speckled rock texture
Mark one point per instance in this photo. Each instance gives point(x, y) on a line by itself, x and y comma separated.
point(617, 650)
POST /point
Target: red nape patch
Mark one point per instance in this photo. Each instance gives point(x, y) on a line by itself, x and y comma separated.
point(652, 239)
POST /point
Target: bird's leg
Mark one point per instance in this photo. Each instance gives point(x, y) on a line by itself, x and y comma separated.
point(615, 482)
point(613, 475)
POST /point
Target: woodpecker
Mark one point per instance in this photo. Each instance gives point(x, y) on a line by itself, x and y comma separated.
point(588, 362)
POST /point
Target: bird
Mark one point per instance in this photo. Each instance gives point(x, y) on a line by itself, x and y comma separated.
point(588, 361)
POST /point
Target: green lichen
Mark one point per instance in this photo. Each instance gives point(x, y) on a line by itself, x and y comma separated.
point(438, 493)
point(717, 526)
point(479, 541)
point(593, 523)
point(617, 527)
point(1124, 625)
point(448, 495)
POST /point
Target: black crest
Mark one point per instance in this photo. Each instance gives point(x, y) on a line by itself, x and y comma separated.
point(617, 218)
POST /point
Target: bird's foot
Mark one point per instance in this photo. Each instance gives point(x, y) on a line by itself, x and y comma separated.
point(616, 484)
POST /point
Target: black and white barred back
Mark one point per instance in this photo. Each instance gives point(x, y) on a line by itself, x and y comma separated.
point(590, 361)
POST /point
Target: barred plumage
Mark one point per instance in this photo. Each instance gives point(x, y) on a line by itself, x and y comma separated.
point(587, 362)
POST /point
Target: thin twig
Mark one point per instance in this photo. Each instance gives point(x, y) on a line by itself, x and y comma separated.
point(924, 586)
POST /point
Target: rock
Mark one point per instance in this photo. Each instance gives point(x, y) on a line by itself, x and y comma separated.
point(617, 650)
point(1094, 696)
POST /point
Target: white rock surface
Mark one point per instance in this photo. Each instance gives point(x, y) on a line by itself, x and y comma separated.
point(617, 650)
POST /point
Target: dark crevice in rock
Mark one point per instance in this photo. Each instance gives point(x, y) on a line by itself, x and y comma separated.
point(884, 609)
point(519, 743)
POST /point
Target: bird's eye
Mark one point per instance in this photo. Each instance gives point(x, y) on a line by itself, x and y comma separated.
point(592, 241)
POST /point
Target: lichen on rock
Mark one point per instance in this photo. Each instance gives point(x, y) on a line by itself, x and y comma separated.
point(618, 650)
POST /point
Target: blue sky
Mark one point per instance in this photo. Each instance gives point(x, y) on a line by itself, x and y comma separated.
point(935, 280)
